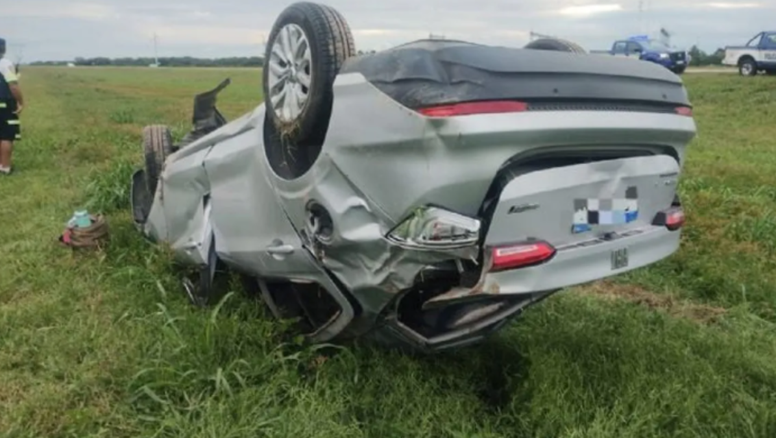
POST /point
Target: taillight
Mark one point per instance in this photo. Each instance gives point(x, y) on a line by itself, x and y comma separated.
point(673, 218)
point(684, 111)
point(436, 228)
point(469, 108)
point(521, 255)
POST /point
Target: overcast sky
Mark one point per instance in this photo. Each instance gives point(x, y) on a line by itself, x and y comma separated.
point(63, 29)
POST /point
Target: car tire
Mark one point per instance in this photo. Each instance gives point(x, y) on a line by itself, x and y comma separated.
point(302, 120)
point(747, 67)
point(157, 146)
point(555, 44)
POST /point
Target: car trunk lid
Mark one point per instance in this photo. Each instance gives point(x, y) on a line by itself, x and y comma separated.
point(569, 204)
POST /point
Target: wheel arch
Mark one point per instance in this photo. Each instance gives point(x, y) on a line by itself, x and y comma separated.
point(745, 57)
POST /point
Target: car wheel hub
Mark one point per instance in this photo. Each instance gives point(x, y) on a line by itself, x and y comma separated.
point(290, 68)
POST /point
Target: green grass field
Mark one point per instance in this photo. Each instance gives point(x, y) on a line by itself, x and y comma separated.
point(105, 344)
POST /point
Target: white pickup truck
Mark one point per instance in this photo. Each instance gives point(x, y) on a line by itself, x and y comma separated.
point(759, 54)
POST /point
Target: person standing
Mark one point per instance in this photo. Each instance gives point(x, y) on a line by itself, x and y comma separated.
point(11, 106)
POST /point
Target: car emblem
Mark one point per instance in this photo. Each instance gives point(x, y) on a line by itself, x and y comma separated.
point(522, 208)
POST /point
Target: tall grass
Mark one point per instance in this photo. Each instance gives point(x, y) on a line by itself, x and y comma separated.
point(104, 344)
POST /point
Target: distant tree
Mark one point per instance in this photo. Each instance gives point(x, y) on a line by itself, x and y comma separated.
point(701, 58)
point(697, 56)
point(717, 57)
point(184, 61)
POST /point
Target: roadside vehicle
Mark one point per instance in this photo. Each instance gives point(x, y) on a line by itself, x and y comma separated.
point(421, 196)
point(759, 54)
point(645, 49)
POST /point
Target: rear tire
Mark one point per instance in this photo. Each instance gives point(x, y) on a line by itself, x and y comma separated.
point(555, 44)
point(747, 67)
point(307, 46)
point(157, 146)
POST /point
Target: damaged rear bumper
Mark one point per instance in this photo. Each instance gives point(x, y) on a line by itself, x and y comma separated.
point(492, 318)
point(498, 297)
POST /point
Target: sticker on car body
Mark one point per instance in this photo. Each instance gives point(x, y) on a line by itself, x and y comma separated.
point(605, 211)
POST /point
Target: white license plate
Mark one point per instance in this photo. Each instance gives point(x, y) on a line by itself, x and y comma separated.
point(619, 259)
point(680, 62)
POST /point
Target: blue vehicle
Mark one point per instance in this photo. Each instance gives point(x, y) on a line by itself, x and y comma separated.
point(645, 49)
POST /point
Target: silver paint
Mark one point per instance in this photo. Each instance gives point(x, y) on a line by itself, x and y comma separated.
point(290, 66)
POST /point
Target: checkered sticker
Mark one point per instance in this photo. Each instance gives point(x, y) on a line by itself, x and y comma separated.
point(605, 211)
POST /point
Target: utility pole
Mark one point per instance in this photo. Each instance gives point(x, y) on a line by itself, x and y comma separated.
point(19, 54)
point(156, 50)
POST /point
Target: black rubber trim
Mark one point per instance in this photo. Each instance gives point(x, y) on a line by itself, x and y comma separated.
point(157, 146)
point(602, 105)
point(431, 72)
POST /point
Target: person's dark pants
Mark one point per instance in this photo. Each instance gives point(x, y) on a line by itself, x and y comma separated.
point(10, 128)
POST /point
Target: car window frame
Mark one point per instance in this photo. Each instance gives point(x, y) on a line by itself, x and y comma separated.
point(768, 41)
point(634, 45)
point(758, 38)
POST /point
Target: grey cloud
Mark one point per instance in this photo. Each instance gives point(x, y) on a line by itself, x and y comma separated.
point(49, 29)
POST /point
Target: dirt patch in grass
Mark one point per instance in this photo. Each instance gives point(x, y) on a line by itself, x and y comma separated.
point(701, 313)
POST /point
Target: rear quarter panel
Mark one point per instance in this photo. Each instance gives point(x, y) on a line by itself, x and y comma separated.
point(734, 54)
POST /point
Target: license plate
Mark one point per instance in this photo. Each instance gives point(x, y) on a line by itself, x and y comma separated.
point(619, 259)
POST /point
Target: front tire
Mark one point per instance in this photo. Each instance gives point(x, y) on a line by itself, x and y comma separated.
point(307, 46)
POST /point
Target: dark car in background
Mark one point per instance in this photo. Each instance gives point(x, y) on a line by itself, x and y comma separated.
point(646, 49)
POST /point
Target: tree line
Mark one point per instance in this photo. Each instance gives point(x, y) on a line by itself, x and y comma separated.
point(701, 58)
point(182, 61)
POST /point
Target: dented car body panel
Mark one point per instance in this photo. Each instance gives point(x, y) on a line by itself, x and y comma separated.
point(586, 182)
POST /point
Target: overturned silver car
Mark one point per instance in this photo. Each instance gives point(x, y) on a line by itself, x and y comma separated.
point(421, 196)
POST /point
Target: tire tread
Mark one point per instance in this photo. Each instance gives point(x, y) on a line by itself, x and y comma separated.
point(555, 44)
point(157, 146)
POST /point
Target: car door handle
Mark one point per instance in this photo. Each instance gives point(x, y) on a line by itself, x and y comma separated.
point(280, 250)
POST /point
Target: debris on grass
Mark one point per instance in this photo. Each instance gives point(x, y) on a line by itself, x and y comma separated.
point(700, 313)
point(92, 232)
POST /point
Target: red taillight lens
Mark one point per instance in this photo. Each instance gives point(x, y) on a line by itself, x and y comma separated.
point(521, 255)
point(684, 111)
point(469, 108)
point(673, 218)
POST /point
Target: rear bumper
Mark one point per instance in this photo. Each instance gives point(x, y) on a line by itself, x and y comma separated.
point(514, 291)
point(578, 263)
point(472, 334)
